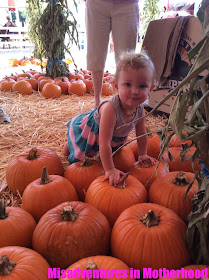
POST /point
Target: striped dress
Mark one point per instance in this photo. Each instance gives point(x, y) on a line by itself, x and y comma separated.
point(83, 132)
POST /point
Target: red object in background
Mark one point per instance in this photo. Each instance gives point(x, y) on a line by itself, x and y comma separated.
point(11, 3)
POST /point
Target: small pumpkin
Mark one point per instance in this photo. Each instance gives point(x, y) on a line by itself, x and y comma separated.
point(147, 175)
point(107, 89)
point(16, 226)
point(148, 235)
point(27, 166)
point(124, 159)
point(41, 194)
point(89, 84)
point(22, 87)
point(110, 200)
point(108, 264)
point(22, 263)
point(71, 231)
point(81, 174)
point(77, 86)
point(170, 189)
point(51, 90)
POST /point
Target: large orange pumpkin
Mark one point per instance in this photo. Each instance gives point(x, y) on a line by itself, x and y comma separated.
point(129, 191)
point(41, 194)
point(16, 226)
point(148, 235)
point(81, 174)
point(22, 263)
point(199, 271)
point(77, 86)
point(22, 87)
point(27, 166)
point(106, 265)
point(177, 164)
point(124, 159)
point(170, 190)
point(71, 231)
point(147, 175)
point(51, 90)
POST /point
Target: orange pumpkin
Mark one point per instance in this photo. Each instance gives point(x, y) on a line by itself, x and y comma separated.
point(89, 84)
point(124, 159)
point(102, 263)
point(42, 82)
point(33, 82)
point(71, 231)
point(7, 84)
point(23, 263)
point(177, 164)
point(170, 190)
point(148, 235)
point(76, 76)
point(16, 226)
point(51, 90)
point(37, 204)
point(81, 174)
point(147, 175)
point(77, 86)
point(107, 89)
point(22, 87)
point(63, 82)
point(129, 191)
point(176, 142)
point(27, 166)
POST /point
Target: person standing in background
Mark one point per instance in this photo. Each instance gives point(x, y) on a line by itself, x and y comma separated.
point(103, 16)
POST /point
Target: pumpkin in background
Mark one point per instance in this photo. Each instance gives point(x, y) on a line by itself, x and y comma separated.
point(105, 263)
point(71, 231)
point(176, 142)
point(110, 200)
point(63, 82)
point(200, 270)
point(16, 226)
point(47, 192)
point(107, 89)
point(81, 174)
point(150, 235)
point(177, 164)
point(170, 190)
point(33, 82)
point(124, 159)
point(51, 90)
point(77, 86)
point(147, 175)
point(22, 87)
point(22, 263)
point(7, 84)
point(27, 166)
point(153, 146)
point(44, 81)
point(89, 84)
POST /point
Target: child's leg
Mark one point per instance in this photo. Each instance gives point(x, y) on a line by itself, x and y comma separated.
point(65, 150)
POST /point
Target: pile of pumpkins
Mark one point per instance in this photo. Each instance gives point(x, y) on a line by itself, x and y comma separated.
point(72, 219)
point(77, 82)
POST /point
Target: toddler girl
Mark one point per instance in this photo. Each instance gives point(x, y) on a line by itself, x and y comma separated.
point(100, 130)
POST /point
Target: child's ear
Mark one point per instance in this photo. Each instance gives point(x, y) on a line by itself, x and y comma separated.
point(115, 85)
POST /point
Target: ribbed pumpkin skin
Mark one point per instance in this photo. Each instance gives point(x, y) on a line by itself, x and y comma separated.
point(164, 192)
point(153, 146)
point(102, 262)
point(157, 246)
point(82, 176)
point(17, 229)
point(111, 201)
point(144, 174)
point(37, 199)
point(124, 159)
point(64, 242)
point(29, 264)
point(178, 165)
point(21, 172)
point(190, 267)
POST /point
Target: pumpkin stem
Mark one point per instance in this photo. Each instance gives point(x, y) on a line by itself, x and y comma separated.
point(181, 179)
point(33, 154)
point(6, 266)
point(45, 176)
point(122, 184)
point(92, 266)
point(69, 214)
point(86, 162)
point(3, 213)
point(150, 219)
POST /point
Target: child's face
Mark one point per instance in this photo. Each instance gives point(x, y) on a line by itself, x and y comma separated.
point(134, 86)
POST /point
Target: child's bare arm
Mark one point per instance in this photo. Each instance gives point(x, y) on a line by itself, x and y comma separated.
point(107, 124)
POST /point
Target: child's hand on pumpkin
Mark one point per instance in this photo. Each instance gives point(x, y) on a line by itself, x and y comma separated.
point(113, 175)
point(146, 161)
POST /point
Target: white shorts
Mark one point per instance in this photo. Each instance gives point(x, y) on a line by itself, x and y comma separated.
point(103, 17)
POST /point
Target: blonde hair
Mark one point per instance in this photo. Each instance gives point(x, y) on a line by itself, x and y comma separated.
point(134, 61)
